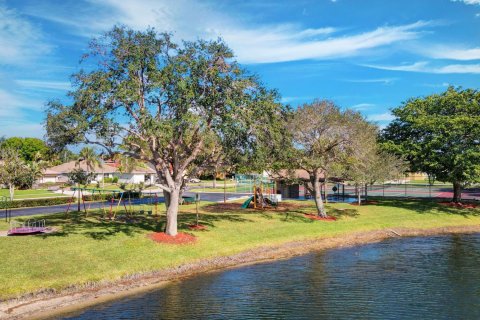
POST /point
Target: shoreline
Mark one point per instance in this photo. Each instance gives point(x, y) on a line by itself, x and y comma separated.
point(49, 303)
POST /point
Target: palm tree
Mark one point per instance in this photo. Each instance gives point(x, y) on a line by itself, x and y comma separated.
point(90, 158)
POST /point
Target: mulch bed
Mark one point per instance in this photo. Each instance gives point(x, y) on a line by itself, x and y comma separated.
point(316, 217)
point(459, 205)
point(180, 238)
point(199, 227)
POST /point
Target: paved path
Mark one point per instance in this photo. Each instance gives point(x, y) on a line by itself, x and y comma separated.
point(214, 197)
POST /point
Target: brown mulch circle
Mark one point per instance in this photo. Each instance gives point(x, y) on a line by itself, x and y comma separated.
point(316, 217)
point(459, 205)
point(180, 238)
point(199, 227)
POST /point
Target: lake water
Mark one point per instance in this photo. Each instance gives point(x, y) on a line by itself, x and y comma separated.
point(410, 278)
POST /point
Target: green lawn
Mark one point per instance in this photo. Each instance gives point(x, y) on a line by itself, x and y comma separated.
point(87, 249)
point(30, 194)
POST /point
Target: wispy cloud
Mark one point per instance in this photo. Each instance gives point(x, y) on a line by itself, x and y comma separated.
point(362, 106)
point(20, 41)
point(294, 99)
point(438, 85)
point(424, 67)
point(45, 85)
point(450, 52)
point(14, 112)
point(378, 80)
point(253, 42)
point(387, 116)
point(267, 45)
point(471, 2)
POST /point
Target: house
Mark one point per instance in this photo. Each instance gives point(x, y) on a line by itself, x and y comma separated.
point(59, 174)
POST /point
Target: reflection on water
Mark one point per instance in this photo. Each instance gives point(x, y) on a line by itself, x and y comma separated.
point(413, 278)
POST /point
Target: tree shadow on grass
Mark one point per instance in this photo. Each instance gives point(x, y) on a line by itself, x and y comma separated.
point(422, 206)
point(98, 228)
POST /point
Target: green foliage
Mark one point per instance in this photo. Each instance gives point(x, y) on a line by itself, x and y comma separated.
point(90, 158)
point(45, 202)
point(111, 180)
point(14, 172)
point(80, 176)
point(438, 134)
point(31, 149)
point(167, 104)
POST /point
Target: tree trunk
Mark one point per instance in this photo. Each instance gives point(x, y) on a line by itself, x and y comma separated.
point(317, 195)
point(457, 192)
point(166, 196)
point(366, 193)
point(359, 195)
point(215, 178)
point(172, 212)
point(11, 189)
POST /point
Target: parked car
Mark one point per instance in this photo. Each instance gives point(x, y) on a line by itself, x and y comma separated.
point(194, 180)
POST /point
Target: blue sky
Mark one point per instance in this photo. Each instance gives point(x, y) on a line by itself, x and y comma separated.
point(369, 55)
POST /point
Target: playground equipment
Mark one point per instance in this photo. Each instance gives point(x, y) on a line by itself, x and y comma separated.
point(110, 201)
point(79, 194)
point(264, 195)
point(6, 205)
point(27, 228)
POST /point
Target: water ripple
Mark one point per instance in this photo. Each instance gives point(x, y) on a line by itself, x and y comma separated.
point(413, 278)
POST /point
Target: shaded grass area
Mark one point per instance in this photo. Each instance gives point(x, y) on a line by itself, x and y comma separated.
point(90, 248)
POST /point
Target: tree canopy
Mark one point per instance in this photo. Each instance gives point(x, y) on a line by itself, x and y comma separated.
point(166, 103)
point(323, 137)
point(30, 149)
point(439, 135)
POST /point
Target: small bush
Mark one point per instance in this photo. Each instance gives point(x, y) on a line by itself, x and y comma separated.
point(115, 180)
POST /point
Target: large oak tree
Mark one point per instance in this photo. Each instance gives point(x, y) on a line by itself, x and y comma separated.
point(166, 104)
point(439, 135)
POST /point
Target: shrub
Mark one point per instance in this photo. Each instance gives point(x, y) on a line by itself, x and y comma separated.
point(115, 180)
point(64, 200)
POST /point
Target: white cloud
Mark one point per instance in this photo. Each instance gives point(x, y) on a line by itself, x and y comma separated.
point(266, 45)
point(433, 85)
point(252, 42)
point(14, 112)
point(290, 99)
point(45, 85)
point(387, 116)
point(448, 52)
point(362, 106)
point(426, 68)
point(20, 41)
point(22, 129)
point(471, 2)
point(379, 80)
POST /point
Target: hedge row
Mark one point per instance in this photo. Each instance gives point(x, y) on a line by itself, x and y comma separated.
point(45, 202)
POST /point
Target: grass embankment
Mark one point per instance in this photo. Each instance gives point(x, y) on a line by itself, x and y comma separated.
point(87, 249)
point(31, 194)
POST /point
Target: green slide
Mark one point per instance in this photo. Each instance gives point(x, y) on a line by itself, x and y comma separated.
point(246, 203)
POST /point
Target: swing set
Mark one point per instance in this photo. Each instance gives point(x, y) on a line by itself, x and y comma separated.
point(111, 206)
